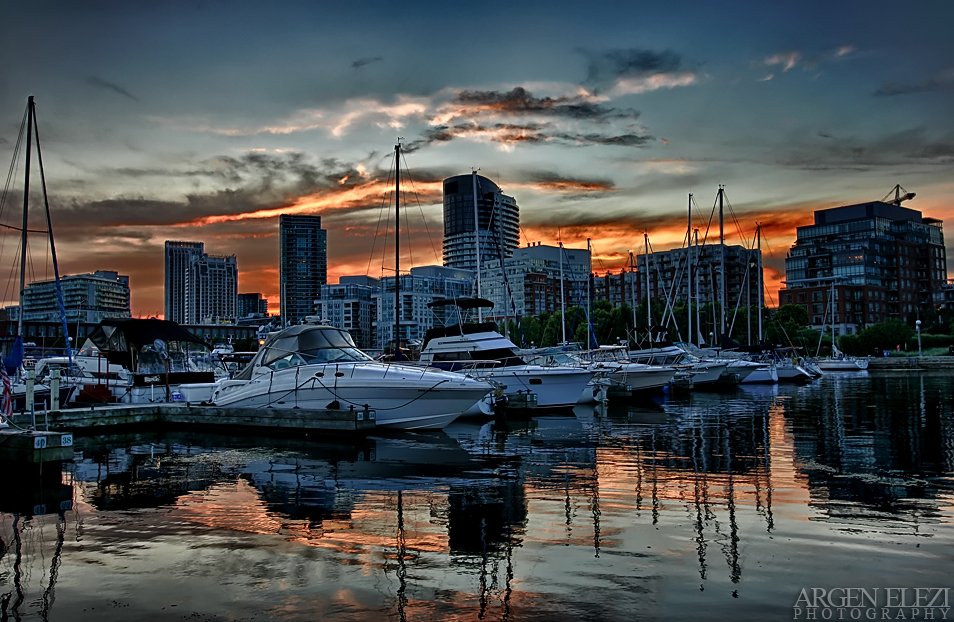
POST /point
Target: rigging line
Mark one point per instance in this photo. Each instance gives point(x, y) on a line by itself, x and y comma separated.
point(735, 219)
point(13, 163)
point(387, 222)
point(6, 193)
point(52, 246)
point(377, 229)
point(5, 226)
point(417, 199)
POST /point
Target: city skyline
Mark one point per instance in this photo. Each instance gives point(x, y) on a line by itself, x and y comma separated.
point(162, 122)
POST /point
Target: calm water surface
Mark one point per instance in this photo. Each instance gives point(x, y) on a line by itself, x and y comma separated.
point(704, 506)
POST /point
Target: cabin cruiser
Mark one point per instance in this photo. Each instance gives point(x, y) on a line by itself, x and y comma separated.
point(154, 360)
point(480, 348)
point(664, 356)
point(316, 366)
point(571, 355)
point(630, 377)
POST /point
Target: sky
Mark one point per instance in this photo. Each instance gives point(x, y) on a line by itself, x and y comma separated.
point(203, 121)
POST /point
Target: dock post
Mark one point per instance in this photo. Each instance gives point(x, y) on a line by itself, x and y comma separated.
point(55, 390)
point(28, 399)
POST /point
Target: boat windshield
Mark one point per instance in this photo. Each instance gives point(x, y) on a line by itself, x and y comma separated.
point(554, 358)
point(317, 356)
point(311, 347)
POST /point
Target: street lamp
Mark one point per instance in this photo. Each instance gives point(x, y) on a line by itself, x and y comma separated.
point(918, 326)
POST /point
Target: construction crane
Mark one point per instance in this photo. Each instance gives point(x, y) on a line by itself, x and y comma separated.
point(898, 196)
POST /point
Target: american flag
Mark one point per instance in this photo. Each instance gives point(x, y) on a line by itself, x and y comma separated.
point(6, 405)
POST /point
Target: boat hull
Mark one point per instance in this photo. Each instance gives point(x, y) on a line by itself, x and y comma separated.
point(762, 375)
point(842, 364)
point(402, 396)
point(555, 387)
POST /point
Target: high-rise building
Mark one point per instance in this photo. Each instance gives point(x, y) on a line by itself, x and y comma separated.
point(211, 289)
point(178, 260)
point(251, 305)
point(352, 306)
point(87, 298)
point(200, 288)
point(864, 263)
point(497, 214)
point(533, 281)
point(304, 266)
point(423, 285)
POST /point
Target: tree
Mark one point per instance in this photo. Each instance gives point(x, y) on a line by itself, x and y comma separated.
point(887, 335)
point(792, 313)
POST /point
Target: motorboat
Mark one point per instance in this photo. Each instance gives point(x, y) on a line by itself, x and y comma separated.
point(480, 349)
point(158, 358)
point(630, 377)
point(662, 356)
point(316, 366)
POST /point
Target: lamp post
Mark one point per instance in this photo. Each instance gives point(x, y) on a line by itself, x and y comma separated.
point(918, 326)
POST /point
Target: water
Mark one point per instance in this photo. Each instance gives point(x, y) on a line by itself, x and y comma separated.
point(715, 506)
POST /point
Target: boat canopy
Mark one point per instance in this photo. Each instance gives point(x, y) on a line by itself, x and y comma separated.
point(135, 342)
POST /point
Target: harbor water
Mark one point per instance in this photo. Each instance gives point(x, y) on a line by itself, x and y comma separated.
point(751, 503)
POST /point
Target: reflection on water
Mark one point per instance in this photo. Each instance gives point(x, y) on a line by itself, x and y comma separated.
point(715, 505)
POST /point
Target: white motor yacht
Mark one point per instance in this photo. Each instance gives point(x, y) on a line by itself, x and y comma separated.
point(479, 347)
point(314, 366)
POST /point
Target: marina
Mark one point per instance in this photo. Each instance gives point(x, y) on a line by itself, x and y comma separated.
point(719, 505)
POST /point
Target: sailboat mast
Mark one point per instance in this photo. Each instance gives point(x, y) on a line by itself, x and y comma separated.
point(649, 307)
point(632, 286)
point(480, 316)
point(397, 252)
point(689, 267)
point(722, 287)
point(758, 258)
point(589, 305)
point(26, 203)
point(698, 312)
point(562, 301)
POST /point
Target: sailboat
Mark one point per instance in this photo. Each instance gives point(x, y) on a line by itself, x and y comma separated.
point(838, 361)
point(24, 392)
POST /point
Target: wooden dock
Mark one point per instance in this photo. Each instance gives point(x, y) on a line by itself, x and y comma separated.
point(86, 420)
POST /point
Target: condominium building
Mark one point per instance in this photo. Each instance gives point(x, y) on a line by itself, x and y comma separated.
point(178, 258)
point(864, 263)
point(251, 305)
point(498, 218)
point(618, 289)
point(199, 288)
point(423, 285)
point(352, 306)
point(211, 290)
point(536, 279)
point(87, 298)
point(665, 274)
point(303, 266)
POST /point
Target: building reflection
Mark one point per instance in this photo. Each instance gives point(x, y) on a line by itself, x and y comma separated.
point(876, 450)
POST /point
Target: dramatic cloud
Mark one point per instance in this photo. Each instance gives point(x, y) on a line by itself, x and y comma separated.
point(95, 81)
point(519, 101)
point(507, 135)
point(550, 182)
point(367, 60)
point(941, 82)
